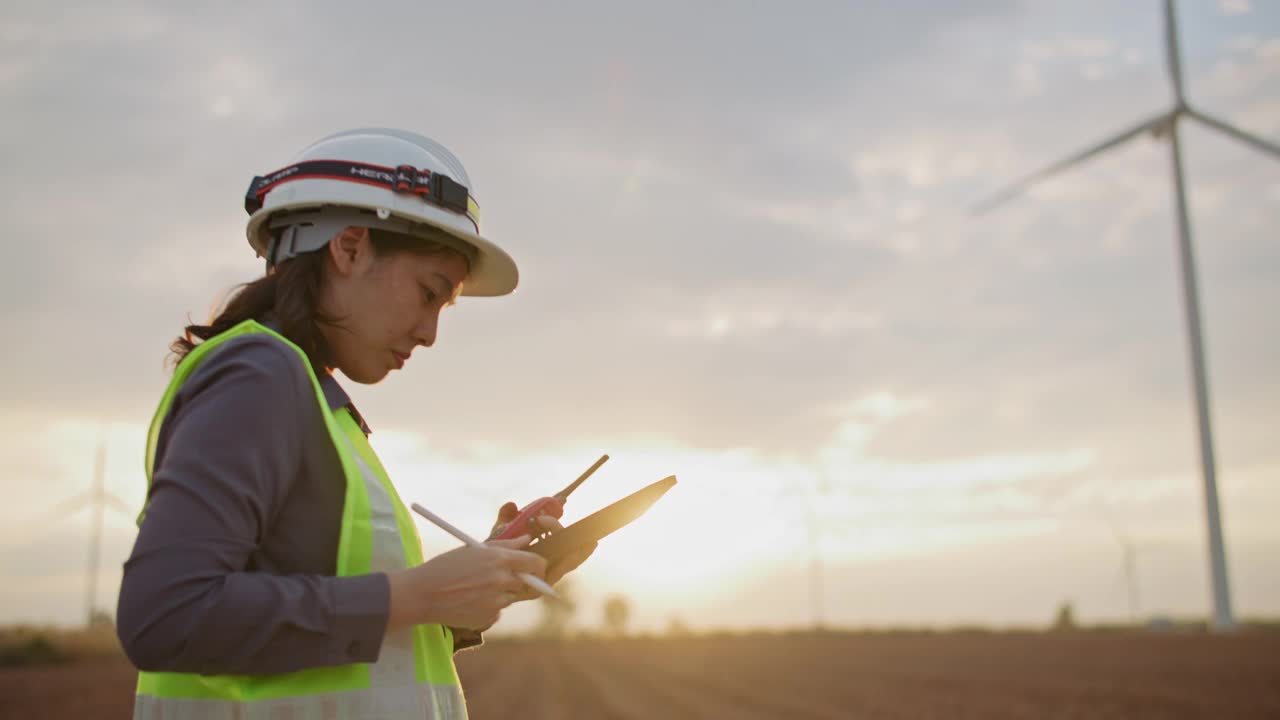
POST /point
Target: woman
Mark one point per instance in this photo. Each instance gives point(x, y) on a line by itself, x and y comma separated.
point(276, 572)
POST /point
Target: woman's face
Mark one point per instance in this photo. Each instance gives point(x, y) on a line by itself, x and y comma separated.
point(384, 306)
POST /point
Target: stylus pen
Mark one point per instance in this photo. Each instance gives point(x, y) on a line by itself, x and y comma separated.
point(530, 579)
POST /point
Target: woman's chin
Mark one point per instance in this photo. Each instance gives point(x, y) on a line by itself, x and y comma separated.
point(366, 375)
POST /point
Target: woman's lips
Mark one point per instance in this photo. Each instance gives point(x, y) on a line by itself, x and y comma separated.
point(400, 358)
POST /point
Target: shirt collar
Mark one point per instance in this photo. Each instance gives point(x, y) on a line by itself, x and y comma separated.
point(338, 399)
point(334, 395)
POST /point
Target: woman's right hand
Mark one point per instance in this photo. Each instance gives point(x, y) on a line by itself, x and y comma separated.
point(463, 588)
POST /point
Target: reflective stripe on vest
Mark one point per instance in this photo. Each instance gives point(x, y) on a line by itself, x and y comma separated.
point(414, 701)
point(414, 676)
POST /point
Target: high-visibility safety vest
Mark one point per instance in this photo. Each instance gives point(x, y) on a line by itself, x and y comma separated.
point(414, 676)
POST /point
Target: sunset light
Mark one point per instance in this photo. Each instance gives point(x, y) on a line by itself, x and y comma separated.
point(953, 319)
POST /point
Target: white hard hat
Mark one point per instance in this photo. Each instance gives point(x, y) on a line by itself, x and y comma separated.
point(375, 177)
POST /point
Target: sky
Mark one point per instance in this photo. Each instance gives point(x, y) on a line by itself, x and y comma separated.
point(747, 259)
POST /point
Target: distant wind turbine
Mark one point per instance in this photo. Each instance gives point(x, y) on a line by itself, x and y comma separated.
point(1165, 125)
point(96, 498)
point(1129, 568)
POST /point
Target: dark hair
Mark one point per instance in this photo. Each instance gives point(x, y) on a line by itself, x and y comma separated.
point(290, 294)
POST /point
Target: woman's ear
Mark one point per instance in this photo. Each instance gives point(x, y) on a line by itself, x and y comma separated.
point(350, 249)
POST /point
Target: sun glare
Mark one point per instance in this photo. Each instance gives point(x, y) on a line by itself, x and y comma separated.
point(727, 514)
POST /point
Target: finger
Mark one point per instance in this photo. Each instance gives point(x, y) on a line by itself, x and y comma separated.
point(521, 561)
point(518, 588)
point(546, 523)
point(512, 583)
point(517, 543)
point(517, 560)
point(508, 512)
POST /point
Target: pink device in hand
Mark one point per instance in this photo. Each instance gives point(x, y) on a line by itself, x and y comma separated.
point(553, 506)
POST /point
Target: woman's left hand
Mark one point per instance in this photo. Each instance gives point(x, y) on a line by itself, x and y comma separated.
point(550, 525)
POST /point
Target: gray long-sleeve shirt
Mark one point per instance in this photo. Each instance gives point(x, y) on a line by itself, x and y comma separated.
point(233, 568)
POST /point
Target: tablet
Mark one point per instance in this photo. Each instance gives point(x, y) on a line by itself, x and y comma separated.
point(602, 522)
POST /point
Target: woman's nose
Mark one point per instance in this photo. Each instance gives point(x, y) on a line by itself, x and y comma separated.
point(427, 330)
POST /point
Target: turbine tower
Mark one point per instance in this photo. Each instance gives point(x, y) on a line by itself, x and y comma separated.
point(1165, 125)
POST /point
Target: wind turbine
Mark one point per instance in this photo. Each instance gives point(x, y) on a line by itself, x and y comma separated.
point(96, 498)
point(1129, 568)
point(1165, 125)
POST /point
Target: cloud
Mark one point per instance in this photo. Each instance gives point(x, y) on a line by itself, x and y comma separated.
point(1234, 7)
point(1069, 47)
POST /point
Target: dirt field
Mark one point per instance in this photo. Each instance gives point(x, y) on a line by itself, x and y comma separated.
point(836, 676)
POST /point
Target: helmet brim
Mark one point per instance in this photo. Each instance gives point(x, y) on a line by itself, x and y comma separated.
point(493, 271)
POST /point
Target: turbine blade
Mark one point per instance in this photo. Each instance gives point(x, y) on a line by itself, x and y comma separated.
point(66, 507)
point(1172, 61)
point(119, 505)
point(1249, 139)
point(70, 505)
point(1016, 188)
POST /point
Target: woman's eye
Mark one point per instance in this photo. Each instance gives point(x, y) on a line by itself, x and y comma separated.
point(429, 294)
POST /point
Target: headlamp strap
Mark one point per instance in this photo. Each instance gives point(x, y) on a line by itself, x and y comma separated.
point(436, 188)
